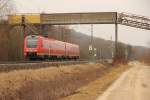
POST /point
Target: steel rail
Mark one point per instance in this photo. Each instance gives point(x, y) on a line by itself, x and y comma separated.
point(7, 67)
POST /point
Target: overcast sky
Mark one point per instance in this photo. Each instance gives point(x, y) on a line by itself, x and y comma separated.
point(126, 34)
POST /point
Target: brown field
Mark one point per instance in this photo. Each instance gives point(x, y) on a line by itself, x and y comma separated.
point(49, 83)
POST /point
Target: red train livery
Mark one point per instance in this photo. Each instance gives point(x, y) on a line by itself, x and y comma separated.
point(42, 47)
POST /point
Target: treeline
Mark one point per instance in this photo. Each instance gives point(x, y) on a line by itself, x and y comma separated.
point(10, 43)
point(142, 54)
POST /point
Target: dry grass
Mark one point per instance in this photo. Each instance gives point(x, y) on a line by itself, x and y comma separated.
point(49, 83)
point(97, 87)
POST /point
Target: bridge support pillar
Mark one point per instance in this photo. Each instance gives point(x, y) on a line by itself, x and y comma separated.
point(116, 41)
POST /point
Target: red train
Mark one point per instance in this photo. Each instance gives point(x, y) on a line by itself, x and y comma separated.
point(45, 48)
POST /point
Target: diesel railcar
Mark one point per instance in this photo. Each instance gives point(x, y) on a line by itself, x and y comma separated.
point(36, 46)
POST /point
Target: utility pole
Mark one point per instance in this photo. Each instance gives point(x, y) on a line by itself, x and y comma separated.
point(92, 35)
point(91, 49)
point(24, 26)
point(23, 34)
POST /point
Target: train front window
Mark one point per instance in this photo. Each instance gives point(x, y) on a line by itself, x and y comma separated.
point(32, 42)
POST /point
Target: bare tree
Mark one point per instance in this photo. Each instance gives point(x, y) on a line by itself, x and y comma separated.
point(6, 7)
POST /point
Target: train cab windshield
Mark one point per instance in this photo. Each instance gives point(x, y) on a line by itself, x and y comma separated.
point(32, 41)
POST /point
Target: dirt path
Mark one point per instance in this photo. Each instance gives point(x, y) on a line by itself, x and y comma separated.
point(134, 84)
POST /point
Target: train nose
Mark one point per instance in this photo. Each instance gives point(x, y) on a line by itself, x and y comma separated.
point(31, 52)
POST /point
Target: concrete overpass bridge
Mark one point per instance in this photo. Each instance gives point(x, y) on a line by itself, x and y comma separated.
point(132, 20)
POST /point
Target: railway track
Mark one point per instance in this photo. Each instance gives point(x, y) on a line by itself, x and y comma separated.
point(10, 66)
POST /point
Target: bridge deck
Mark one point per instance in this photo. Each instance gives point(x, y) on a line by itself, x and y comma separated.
point(66, 18)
